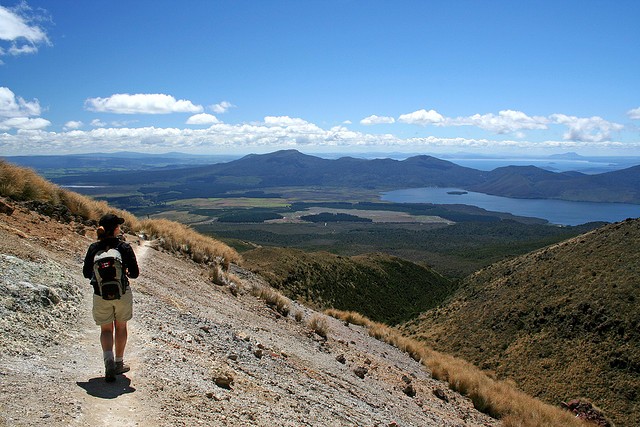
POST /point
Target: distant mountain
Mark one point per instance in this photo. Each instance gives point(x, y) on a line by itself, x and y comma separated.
point(530, 182)
point(564, 321)
point(291, 168)
point(57, 165)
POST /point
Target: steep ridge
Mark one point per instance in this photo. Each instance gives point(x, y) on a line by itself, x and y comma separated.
point(563, 322)
point(188, 339)
point(383, 288)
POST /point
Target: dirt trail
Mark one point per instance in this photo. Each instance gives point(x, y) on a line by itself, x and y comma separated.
point(115, 403)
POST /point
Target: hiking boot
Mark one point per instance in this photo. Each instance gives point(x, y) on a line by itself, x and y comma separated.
point(109, 371)
point(121, 368)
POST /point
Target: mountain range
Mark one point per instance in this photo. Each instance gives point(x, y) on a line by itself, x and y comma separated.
point(289, 168)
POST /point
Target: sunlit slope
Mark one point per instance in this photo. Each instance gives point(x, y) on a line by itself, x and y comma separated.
point(564, 321)
point(382, 287)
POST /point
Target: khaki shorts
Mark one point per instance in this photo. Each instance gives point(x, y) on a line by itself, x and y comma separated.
point(118, 309)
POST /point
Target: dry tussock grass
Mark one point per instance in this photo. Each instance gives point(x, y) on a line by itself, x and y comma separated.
point(273, 299)
point(23, 184)
point(499, 399)
point(180, 238)
point(319, 325)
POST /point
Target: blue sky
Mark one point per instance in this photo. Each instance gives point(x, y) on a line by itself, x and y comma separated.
point(487, 77)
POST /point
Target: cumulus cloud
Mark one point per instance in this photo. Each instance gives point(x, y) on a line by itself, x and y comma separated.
point(634, 114)
point(580, 129)
point(14, 106)
point(274, 133)
point(586, 129)
point(423, 117)
point(141, 103)
point(16, 113)
point(202, 119)
point(24, 123)
point(98, 123)
point(222, 107)
point(284, 121)
point(18, 32)
point(377, 120)
point(506, 121)
point(73, 124)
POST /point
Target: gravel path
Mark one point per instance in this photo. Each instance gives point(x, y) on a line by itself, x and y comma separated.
point(186, 338)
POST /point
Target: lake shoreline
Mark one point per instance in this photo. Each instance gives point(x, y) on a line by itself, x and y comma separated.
point(557, 212)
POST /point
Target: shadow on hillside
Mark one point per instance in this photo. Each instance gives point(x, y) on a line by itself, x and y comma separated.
point(97, 387)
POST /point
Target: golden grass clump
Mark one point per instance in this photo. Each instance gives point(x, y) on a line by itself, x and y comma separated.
point(499, 399)
point(319, 325)
point(273, 299)
point(180, 238)
point(24, 184)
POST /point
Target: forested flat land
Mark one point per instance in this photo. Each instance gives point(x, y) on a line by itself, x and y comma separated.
point(453, 250)
point(455, 240)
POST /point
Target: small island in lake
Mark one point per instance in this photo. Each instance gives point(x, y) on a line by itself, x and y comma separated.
point(457, 193)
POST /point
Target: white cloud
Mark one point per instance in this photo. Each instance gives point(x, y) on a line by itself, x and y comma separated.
point(586, 129)
point(24, 123)
point(284, 121)
point(580, 129)
point(377, 120)
point(73, 124)
point(347, 122)
point(274, 133)
point(98, 123)
point(155, 103)
point(222, 107)
point(506, 121)
point(15, 112)
point(14, 106)
point(634, 114)
point(15, 28)
point(423, 117)
point(202, 119)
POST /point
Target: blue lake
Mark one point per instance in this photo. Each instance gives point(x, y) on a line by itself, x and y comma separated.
point(555, 211)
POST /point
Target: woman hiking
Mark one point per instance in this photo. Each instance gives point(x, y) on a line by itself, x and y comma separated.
point(109, 263)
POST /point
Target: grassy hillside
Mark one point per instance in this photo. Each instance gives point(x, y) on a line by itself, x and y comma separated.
point(564, 321)
point(384, 288)
point(24, 185)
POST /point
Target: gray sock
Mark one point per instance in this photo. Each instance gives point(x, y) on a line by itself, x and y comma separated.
point(108, 355)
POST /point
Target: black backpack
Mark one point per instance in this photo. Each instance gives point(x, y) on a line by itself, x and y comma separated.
point(108, 271)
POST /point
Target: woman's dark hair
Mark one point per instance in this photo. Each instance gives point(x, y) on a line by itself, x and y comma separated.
point(104, 233)
point(107, 225)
